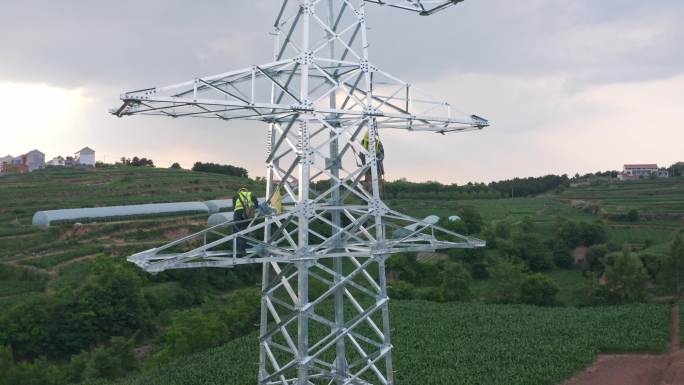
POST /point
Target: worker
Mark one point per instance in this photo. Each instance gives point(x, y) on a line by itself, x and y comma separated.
point(379, 154)
point(244, 208)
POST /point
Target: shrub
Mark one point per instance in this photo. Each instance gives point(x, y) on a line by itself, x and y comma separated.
point(595, 256)
point(674, 267)
point(632, 215)
point(113, 361)
point(626, 277)
point(538, 289)
point(402, 290)
point(455, 283)
point(507, 278)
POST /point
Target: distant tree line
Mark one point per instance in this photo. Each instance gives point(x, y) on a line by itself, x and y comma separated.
point(676, 169)
point(220, 169)
point(518, 187)
point(136, 162)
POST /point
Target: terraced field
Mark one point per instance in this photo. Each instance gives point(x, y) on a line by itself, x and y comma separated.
point(43, 259)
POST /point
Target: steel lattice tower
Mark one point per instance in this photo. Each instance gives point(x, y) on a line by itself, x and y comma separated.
point(324, 308)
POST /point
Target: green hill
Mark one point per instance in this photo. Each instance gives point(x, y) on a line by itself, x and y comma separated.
point(59, 254)
point(44, 273)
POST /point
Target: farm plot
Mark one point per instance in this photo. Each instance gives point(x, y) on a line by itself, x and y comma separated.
point(464, 344)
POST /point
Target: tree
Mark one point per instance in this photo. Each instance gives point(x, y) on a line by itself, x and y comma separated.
point(506, 278)
point(673, 267)
point(626, 277)
point(538, 289)
point(632, 215)
point(594, 257)
point(113, 361)
point(175, 166)
point(114, 296)
point(574, 234)
point(220, 169)
point(6, 365)
point(592, 293)
point(529, 248)
point(402, 290)
point(472, 219)
point(455, 283)
point(676, 169)
point(136, 162)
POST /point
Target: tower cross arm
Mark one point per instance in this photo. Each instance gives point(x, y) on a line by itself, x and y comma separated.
point(421, 7)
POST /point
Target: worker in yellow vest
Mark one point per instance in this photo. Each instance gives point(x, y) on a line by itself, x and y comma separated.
point(244, 207)
point(379, 153)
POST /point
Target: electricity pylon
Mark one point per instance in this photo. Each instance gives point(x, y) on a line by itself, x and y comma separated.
point(324, 307)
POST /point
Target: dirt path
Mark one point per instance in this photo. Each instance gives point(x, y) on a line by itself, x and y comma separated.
point(638, 369)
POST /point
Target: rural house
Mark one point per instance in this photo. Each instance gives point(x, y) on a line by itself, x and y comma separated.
point(35, 160)
point(32, 160)
point(636, 171)
point(85, 157)
point(56, 161)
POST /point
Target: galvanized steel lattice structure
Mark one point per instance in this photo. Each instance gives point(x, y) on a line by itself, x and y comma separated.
point(324, 309)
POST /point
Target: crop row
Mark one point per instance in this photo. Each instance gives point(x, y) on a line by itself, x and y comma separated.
point(465, 344)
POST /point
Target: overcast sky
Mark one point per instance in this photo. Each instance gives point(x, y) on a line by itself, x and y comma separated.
point(569, 85)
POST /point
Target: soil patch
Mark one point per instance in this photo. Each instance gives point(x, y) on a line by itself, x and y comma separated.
point(637, 369)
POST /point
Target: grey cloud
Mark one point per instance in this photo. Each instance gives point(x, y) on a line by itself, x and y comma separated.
point(148, 43)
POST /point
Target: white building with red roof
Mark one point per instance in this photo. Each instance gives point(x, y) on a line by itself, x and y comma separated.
point(637, 171)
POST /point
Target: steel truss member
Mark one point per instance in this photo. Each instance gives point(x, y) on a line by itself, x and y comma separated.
point(324, 308)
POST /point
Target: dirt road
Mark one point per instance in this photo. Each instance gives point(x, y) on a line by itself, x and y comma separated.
point(638, 369)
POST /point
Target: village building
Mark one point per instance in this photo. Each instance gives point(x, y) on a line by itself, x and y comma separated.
point(5, 161)
point(32, 160)
point(85, 157)
point(637, 171)
point(35, 160)
point(57, 161)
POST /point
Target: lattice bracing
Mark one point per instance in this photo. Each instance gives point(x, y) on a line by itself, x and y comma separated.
point(324, 310)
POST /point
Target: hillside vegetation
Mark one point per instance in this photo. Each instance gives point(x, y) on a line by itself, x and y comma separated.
point(73, 310)
point(464, 344)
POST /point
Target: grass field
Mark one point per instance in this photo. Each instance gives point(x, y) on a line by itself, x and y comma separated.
point(464, 344)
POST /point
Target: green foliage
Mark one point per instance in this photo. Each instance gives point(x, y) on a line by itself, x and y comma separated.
point(472, 219)
point(464, 344)
point(676, 169)
point(115, 298)
point(113, 361)
point(632, 215)
point(110, 304)
point(506, 278)
point(575, 234)
point(673, 267)
point(176, 166)
point(16, 280)
point(530, 186)
point(529, 248)
point(197, 329)
point(626, 277)
point(538, 289)
point(455, 283)
point(220, 169)
point(402, 290)
point(596, 254)
point(136, 162)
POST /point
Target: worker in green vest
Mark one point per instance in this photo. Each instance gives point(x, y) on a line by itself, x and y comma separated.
point(244, 207)
point(379, 154)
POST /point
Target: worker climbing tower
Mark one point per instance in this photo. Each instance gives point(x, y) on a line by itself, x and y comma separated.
point(324, 308)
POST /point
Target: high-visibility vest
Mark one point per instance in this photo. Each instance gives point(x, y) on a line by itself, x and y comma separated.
point(365, 142)
point(277, 201)
point(246, 197)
